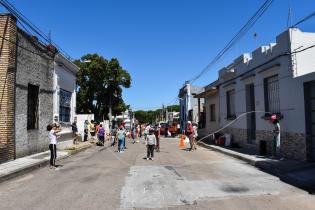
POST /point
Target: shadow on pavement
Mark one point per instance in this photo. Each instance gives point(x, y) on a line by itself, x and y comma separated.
point(300, 174)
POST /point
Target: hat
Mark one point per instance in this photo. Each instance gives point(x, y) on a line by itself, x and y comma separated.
point(189, 122)
point(273, 117)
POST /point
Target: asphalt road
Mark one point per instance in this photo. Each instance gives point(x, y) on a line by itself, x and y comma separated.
point(100, 178)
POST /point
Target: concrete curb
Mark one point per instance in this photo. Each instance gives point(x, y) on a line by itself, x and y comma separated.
point(42, 163)
point(246, 158)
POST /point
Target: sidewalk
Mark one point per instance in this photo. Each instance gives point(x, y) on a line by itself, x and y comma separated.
point(297, 173)
point(26, 164)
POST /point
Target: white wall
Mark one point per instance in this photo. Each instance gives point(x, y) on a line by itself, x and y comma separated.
point(291, 81)
point(66, 80)
point(212, 126)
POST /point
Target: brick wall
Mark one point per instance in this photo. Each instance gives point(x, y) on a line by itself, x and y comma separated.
point(7, 78)
point(293, 145)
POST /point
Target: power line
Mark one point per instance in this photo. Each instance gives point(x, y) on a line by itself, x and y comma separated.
point(236, 38)
point(305, 19)
point(24, 20)
point(24, 48)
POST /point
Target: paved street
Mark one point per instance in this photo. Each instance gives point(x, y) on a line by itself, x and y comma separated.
point(101, 178)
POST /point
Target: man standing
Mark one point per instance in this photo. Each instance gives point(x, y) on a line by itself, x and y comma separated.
point(86, 130)
point(74, 131)
point(92, 130)
point(276, 136)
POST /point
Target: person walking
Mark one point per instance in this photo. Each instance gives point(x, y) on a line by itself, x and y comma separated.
point(121, 135)
point(74, 131)
point(150, 142)
point(133, 134)
point(86, 130)
point(113, 136)
point(157, 136)
point(190, 134)
point(101, 135)
point(92, 130)
point(52, 135)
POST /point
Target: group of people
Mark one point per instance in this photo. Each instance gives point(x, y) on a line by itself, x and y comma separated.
point(95, 131)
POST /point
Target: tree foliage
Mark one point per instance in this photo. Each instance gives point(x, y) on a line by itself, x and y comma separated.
point(173, 108)
point(151, 115)
point(99, 84)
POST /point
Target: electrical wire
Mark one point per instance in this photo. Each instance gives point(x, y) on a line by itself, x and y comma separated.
point(304, 19)
point(249, 24)
point(24, 20)
point(24, 48)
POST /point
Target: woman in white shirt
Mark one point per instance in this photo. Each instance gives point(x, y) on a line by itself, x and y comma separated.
point(52, 135)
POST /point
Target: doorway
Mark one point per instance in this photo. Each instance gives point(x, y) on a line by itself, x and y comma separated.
point(309, 97)
point(251, 117)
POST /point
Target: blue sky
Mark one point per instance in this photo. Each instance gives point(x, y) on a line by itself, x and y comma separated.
point(161, 43)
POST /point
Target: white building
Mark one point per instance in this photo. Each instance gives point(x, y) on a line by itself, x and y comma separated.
point(189, 105)
point(64, 98)
point(211, 109)
point(278, 78)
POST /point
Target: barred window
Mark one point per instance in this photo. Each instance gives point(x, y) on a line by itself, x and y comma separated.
point(230, 104)
point(272, 99)
point(32, 106)
point(212, 112)
point(64, 106)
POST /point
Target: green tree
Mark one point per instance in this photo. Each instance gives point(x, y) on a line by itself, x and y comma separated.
point(173, 108)
point(99, 84)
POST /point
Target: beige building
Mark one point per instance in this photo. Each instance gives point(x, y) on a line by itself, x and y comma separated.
point(210, 116)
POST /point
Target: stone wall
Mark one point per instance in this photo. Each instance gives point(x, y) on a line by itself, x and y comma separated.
point(36, 68)
point(7, 77)
point(293, 145)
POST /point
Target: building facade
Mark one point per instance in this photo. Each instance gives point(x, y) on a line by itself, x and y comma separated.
point(37, 86)
point(274, 79)
point(64, 97)
point(189, 105)
point(211, 109)
point(27, 78)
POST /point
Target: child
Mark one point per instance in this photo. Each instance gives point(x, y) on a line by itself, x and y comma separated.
point(150, 142)
point(52, 135)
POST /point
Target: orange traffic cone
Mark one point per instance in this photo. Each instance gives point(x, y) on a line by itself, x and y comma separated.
point(182, 142)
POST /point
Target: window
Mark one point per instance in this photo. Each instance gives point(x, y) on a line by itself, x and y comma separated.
point(212, 112)
point(32, 106)
point(272, 100)
point(64, 106)
point(230, 104)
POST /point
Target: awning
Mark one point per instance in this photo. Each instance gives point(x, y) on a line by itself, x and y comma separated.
point(210, 92)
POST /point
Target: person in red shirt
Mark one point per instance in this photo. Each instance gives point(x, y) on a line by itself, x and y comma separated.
point(190, 134)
